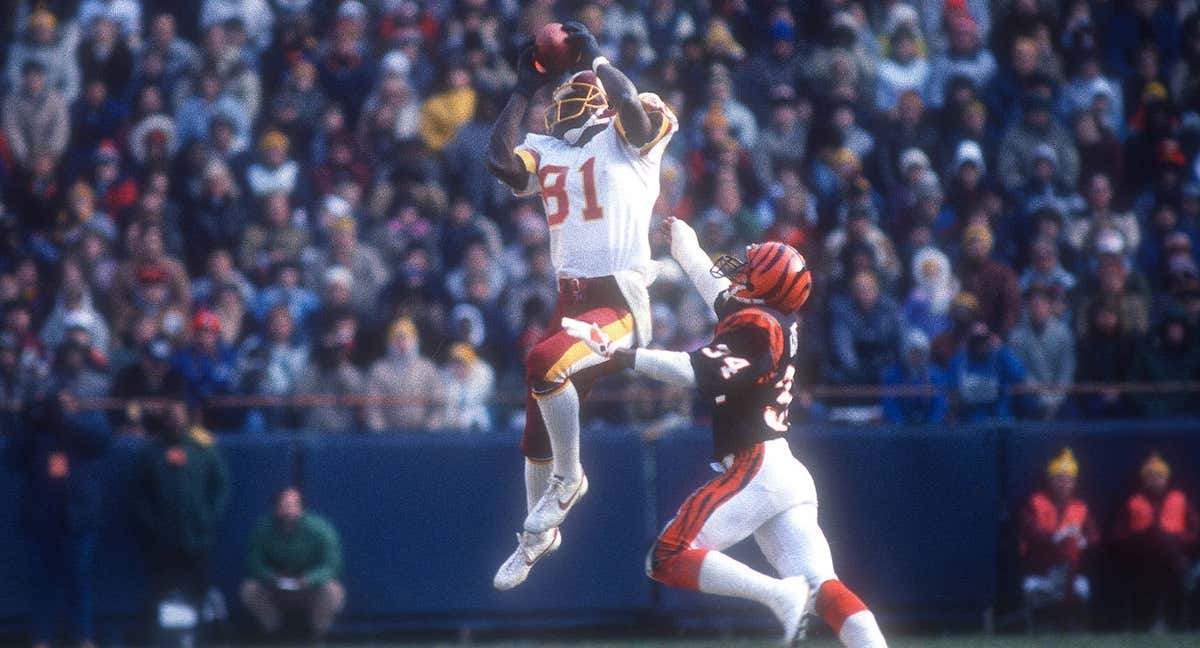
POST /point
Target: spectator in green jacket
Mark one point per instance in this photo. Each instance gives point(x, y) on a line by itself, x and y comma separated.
point(1169, 356)
point(182, 490)
point(294, 562)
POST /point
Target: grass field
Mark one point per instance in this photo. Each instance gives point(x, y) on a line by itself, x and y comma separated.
point(965, 641)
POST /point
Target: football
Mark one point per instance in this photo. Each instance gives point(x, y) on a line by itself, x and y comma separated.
point(552, 53)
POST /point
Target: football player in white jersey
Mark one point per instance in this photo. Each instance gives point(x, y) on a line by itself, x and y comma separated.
point(597, 170)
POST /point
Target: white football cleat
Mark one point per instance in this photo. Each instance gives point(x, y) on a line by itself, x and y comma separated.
point(516, 569)
point(556, 502)
point(792, 608)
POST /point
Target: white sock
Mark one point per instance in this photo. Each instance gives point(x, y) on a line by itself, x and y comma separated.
point(560, 412)
point(860, 630)
point(720, 574)
point(537, 478)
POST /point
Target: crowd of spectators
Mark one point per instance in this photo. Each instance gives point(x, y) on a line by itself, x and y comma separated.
point(271, 198)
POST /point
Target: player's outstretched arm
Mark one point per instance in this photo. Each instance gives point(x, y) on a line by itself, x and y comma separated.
point(674, 367)
point(622, 94)
point(686, 250)
point(502, 161)
point(671, 367)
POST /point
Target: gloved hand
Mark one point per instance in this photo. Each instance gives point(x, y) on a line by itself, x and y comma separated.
point(591, 334)
point(529, 79)
point(582, 40)
point(682, 237)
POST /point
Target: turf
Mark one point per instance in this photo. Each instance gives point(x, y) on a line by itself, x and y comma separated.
point(965, 641)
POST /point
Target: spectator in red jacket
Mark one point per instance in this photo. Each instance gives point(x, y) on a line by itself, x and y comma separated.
point(1056, 530)
point(1157, 528)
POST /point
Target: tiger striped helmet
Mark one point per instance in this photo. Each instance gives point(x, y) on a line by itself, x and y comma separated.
point(773, 273)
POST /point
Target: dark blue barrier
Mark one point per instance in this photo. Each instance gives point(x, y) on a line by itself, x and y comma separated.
point(259, 467)
point(14, 577)
point(916, 519)
point(426, 520)
point(1109, 455)
point(120, 567)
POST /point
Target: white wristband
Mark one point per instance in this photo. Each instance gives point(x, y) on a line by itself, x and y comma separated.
point(597, 62)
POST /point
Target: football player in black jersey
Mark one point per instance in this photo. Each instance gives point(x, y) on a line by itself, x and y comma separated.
point(747, 373)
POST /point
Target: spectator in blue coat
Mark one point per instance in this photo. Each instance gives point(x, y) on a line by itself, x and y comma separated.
point(915, 370)
point(208, 367)
point(965, 57)
point(983, 374)
point(53, 446)
point(864, 332)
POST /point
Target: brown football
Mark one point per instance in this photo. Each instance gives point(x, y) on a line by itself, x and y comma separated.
point(551, 51)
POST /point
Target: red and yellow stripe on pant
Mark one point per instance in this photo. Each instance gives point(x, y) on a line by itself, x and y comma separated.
point(559, 359)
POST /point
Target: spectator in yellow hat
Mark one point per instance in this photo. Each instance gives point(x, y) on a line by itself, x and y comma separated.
point(993, 282)
point(274, 172)
point(1056, 530)
point(1157, 527)
point(52, 46)
point(469, 383)
point(408, 378)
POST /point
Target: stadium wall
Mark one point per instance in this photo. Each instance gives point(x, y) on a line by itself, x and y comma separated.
point(919, 520)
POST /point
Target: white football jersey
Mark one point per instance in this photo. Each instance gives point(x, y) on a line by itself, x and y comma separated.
point(599, 196)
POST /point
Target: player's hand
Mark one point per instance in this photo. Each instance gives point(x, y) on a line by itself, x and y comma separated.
point(529, 79)
point(681, 235)
point(591, 334)
point(582, 40)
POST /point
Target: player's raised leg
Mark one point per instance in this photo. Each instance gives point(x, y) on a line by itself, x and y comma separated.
point(719, 514)
point(531, 547)
point(794, 544)
point(549, 369)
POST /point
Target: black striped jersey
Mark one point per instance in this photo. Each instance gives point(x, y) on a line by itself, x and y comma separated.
point(747, 373)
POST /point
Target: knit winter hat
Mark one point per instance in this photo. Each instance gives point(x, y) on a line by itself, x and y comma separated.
point(1063, 464)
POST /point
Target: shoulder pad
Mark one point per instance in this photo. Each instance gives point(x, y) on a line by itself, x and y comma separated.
point(755, 319)
point(661, 119)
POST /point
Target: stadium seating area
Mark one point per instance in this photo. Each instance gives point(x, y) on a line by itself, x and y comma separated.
point(286, 198)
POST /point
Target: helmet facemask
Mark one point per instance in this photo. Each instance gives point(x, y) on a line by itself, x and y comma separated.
point(735, 270)
point(577, 105)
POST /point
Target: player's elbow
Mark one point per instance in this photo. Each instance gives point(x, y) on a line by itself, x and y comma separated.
point(638, 128)
point(623, 96)
point(496, 167)
point(507, 171)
